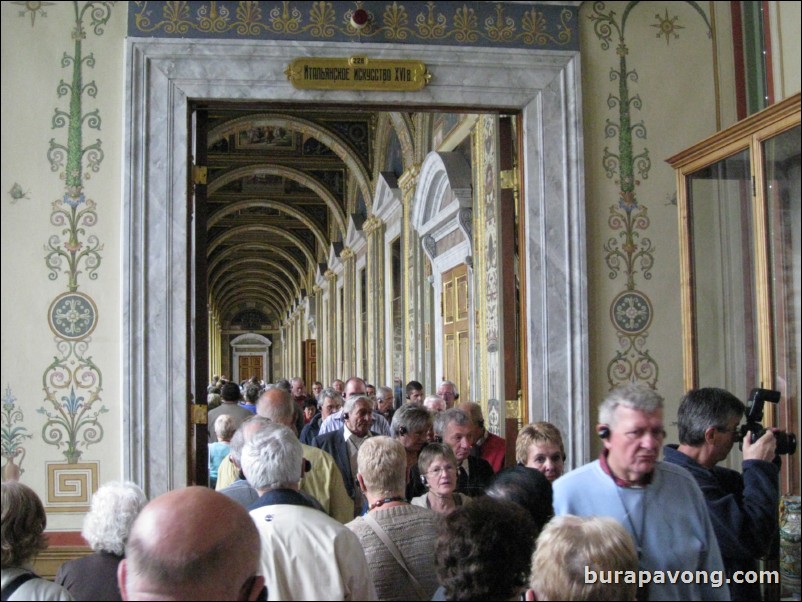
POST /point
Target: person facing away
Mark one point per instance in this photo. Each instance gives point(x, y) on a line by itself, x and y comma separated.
point(23, 537)
point(106, 526)
point(295, 536)
point(577, 558)
point(192, 544)
point(224, 429)
point(411, 530)
point(743, 507)
point(484, 551)
point(659, 503)
point(229, 405)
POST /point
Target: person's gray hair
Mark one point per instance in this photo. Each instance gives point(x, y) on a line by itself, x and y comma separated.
point(448, 383)
point(702, 409)
point(350, 402)
point(382, 391)
point(329, 393)
point(115, 506)
point(238, 440)
point(635, 396)
point(272, 458)
point(455, 415)
point(413, 418)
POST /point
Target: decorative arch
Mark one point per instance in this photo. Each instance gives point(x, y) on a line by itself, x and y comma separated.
point(296, 175)
point(240, 230)
point(443, 204)
point(250, 262)
point(337, 144)
point(251, 338)
point(261, 248)
point(278, 205)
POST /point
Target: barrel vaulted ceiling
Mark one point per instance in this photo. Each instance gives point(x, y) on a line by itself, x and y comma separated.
point(281, 187)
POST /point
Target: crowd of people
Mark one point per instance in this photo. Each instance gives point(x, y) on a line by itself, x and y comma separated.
point(348, 495)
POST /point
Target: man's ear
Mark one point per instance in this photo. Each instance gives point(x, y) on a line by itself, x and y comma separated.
point(361, 482)
point(121, 573)
point(710, 434)
point(256, 589)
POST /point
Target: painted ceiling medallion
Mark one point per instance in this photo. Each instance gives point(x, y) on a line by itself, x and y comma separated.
point(73, 316)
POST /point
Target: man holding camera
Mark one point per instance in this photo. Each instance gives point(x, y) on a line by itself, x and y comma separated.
point(743, 507)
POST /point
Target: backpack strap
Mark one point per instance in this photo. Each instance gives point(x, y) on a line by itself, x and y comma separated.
point(14, 584)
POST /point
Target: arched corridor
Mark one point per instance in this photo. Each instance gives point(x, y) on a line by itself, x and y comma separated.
point(342, 234)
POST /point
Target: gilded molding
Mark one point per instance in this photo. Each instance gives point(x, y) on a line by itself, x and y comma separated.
point(409, 179)
point(372, 224)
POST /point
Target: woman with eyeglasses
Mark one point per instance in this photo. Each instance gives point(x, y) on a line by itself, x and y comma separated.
point(438, 470)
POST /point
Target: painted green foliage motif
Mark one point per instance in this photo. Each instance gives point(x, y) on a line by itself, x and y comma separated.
point(13, 437)
point(629, 253)
point(72, 382)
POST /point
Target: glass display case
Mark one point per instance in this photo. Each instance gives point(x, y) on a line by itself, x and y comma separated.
point(738, 194)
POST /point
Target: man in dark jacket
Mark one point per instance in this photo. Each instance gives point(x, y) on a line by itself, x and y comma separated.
point(743, 507)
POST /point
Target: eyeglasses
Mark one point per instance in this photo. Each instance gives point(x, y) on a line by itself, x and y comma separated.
point(437, 471)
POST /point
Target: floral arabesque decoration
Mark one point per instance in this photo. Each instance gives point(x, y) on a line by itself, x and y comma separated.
point(72, 382)
point(13, 436)
point(72, 419)
point(628, 253)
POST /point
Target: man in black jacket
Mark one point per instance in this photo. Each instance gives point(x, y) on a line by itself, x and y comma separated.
point(743, 507)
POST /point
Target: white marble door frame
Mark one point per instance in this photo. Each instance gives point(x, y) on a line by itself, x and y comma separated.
point(162, 76)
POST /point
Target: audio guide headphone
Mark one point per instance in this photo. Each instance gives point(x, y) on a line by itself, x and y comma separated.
point(402, 430)
point(423, 480)
point(604, 431)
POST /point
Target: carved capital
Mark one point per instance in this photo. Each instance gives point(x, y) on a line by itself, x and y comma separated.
point(372, 224)
point(347, 253)
point(409, 178)
point(330, 275)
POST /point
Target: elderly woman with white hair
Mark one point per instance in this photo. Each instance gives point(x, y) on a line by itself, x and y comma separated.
point(114, 507)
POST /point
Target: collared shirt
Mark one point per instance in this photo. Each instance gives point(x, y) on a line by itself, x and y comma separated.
point(605, 466)
point(336, 421)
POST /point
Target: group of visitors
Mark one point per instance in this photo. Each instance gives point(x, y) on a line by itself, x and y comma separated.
point(423, 504)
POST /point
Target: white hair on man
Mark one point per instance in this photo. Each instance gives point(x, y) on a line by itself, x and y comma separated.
point(350, 402)
point(272, 458)
point(635, 396)
point(115, 506)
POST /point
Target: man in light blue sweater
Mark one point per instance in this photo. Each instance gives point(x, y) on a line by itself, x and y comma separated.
point(659, 504)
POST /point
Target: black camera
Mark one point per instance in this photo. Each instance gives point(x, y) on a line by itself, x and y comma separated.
point(786, 442)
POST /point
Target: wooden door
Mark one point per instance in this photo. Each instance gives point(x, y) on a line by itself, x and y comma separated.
point(456, 339)
point(310, 362)
point(250, 365)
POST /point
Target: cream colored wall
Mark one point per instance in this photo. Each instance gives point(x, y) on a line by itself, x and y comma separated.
point(31, 72)
point(786, 31)
point(676, 84)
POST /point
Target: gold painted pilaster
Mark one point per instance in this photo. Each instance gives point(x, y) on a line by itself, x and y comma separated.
point(374, 229)
point(330, 336)
point(411, 275)
point(349, 312)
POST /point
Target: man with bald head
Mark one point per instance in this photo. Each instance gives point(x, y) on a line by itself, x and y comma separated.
point(192, 544)
point(323, 480)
